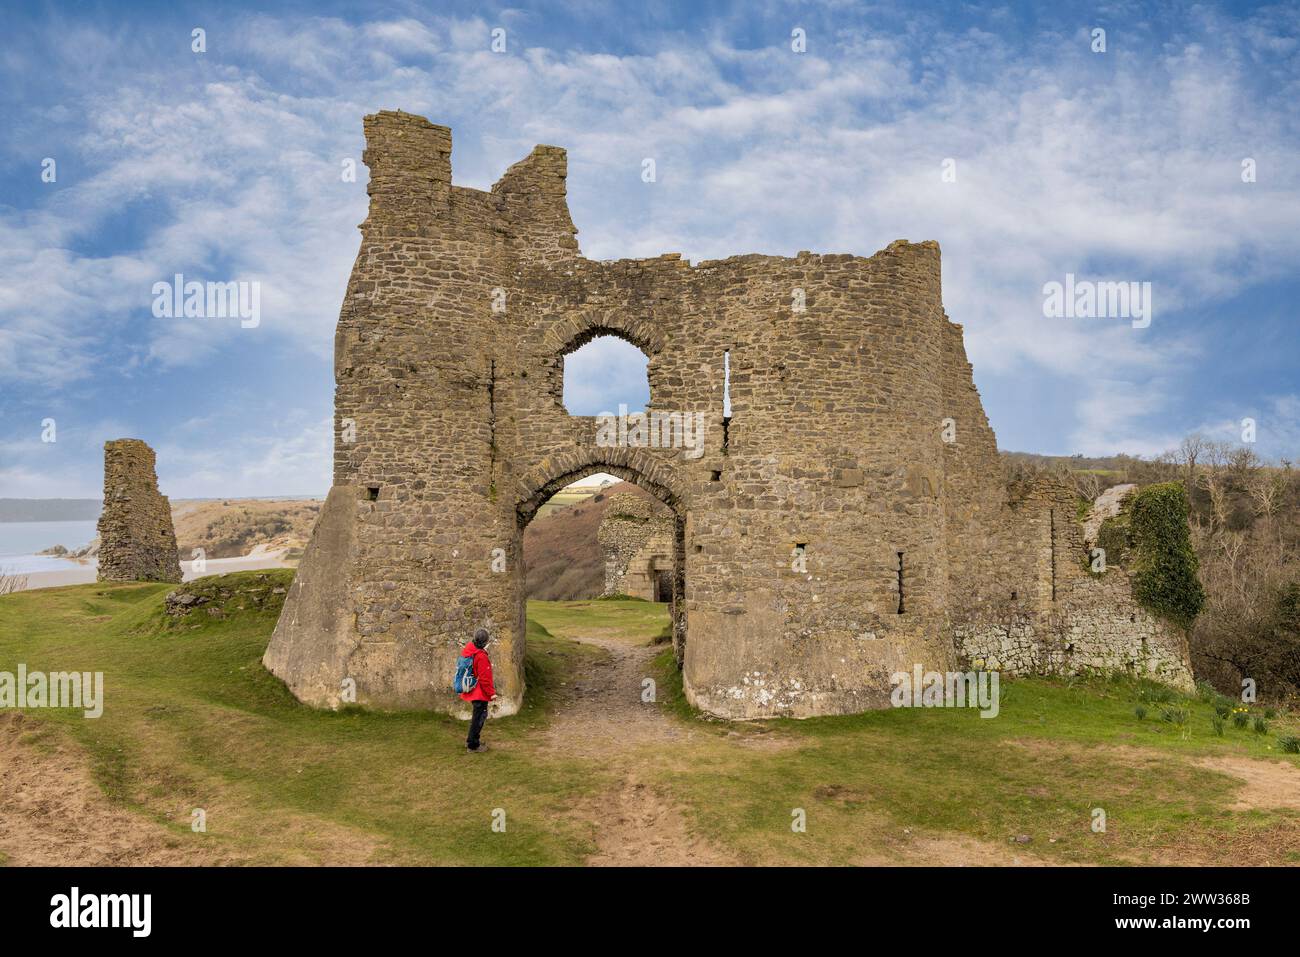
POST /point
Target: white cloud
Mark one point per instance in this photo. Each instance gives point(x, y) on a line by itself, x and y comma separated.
point(1127, 169)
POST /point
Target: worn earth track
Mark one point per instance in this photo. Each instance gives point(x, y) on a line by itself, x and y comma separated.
point(601, 715)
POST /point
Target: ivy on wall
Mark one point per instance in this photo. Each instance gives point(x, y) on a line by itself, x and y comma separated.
point(1161, 561)
point(1113, 538)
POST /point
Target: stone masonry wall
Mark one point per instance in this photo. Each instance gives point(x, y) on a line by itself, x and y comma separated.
point(847, 520)
point(136, 538)
point(632, 536)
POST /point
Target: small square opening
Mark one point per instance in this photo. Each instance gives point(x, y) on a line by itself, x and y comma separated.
point(717, 476)
point(372, 493)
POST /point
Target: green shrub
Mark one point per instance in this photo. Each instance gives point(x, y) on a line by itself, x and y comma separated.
point(1289, 743)
point(1156, 694)
point(1140, 711)
point(1219, 725)
point(1261, 726)
point(1223, 708)
point(1240, 719)
point(1176, 716)
point(1163, 563)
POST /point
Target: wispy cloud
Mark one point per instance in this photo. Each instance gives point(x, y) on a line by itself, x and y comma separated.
point(226, 165)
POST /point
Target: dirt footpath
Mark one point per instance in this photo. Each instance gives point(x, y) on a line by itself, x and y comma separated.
point(602, 716)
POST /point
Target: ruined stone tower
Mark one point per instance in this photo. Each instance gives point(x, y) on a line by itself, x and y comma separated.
point(847, 521)
point(639, 549)
point(136, 538)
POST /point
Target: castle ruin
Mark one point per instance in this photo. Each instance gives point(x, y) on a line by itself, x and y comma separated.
point(637, 542)
point(136, 539)
point(846, 521)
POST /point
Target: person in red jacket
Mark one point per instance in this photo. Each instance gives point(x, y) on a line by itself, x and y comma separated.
point(482, 692)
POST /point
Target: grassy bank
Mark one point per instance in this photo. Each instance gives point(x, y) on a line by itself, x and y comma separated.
point(193, 721)
point(1030, 781)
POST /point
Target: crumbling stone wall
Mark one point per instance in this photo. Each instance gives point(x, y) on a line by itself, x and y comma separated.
point(847, 521)
point(1041, 610)
point(136, 538)
point(635, 539)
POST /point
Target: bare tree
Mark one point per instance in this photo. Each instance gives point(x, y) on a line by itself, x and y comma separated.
point(1214, 480)
point(1267, 489)
point(1187, 454)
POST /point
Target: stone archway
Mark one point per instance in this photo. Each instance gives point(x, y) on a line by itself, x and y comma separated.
point(658, 485)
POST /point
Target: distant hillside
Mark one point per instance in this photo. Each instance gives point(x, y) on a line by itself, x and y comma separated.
point(49, 509)
point(561, 551)
point(228, 528)
point(223, 528)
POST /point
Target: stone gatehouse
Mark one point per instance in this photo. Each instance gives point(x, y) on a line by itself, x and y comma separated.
point(848, 520)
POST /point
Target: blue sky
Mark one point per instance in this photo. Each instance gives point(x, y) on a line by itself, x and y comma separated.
point(225, 165)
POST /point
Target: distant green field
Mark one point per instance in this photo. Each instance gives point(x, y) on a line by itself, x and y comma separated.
point(564, 498)
point(193, 720)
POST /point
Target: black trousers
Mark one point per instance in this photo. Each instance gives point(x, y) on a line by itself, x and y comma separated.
point(476, 722)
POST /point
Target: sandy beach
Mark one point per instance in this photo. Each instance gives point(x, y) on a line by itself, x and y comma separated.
point(83, 574)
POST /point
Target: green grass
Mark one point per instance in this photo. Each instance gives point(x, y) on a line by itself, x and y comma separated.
point(628, 619)
point(565, 498)
point(1058, 749)
point(193, 720)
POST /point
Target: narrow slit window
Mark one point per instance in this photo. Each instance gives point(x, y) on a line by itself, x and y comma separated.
point(726, 384)
point(900, 583)
point(726, 401)
point(1051, 541)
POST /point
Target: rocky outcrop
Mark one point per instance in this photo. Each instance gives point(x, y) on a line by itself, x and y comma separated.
point(1108, 505)
point(220, 596)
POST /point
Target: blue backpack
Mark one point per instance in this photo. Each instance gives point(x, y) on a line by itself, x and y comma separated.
point(465, 679)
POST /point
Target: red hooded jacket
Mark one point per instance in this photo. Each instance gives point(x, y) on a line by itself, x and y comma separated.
point(483, 691)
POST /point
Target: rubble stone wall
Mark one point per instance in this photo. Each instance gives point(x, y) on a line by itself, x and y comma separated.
point(638, 544)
